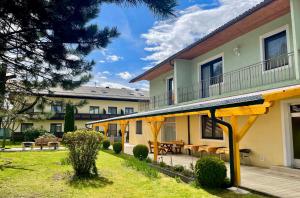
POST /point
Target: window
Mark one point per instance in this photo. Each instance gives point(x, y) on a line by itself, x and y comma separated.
point(113, 130)
point(139, 127)
point(97, 128)
point(275, 51)
point(57, 108)
point(112, 110)
point(129, 110)
point(94, 110)
point(207, 131)
point(25, 126)
point(55, 127)
point(170, 91)
point(211, 74)
point(169, 130)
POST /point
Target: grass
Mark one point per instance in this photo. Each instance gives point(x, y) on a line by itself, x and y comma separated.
point(46, 174)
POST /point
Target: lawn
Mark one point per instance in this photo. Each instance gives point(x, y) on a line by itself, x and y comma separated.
point(43, 174)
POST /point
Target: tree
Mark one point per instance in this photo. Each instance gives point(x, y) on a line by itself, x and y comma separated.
point(43, 43)
point(69, 125)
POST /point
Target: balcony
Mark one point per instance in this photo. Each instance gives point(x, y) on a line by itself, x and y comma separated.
point(272, 73)
point(84, 116)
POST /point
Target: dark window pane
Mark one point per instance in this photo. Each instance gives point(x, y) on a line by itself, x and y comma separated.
point(207, 131)
point(55, 127)
point(276, 51)
point(94, 110)
point(129, 110)
point(57, 108)
point(25, 126)
point(112, 130)
point(139, 127)
point(112, 110)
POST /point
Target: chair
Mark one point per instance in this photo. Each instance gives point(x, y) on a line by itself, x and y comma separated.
point(245, 155)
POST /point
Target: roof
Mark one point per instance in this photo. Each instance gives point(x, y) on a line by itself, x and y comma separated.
point(234, 101)
point(100, 93)
point(258, 15)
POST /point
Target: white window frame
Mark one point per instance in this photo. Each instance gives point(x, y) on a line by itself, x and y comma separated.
point(262, 47)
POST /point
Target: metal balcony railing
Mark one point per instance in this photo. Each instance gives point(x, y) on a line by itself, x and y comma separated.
point(84, 116)
point(258, 76)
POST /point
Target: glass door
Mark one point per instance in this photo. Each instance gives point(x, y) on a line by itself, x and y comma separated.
point(211, 74)
point(170, 91)
point(295, 113)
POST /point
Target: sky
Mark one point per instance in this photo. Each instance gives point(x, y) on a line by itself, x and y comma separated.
point(146, 39)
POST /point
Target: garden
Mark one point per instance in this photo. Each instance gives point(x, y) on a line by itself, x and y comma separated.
point(90, 171)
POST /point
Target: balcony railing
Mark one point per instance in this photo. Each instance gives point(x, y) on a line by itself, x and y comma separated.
point(259, 76)
point(84, 116)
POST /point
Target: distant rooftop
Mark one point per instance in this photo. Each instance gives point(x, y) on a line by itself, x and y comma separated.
point(89, 92)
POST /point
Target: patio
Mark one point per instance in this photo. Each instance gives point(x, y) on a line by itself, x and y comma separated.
point(272, 181)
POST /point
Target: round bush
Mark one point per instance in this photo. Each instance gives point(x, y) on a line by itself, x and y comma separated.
point(83, 150)
point(210, 172)
point(117, 146)
point(140, 151)
point(106, 144)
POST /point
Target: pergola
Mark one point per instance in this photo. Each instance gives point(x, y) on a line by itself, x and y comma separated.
point(251, 105)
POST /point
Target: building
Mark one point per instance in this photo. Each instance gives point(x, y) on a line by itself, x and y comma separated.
point(247, 72)
point(99, 103)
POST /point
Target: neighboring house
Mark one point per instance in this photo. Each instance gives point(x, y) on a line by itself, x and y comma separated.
point(101, 103)
point(249, 70)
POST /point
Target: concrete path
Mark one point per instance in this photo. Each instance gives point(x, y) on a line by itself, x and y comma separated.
point(34, 149)
point(272, 182)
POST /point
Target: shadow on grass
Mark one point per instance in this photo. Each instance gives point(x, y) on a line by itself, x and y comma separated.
point(141, 166)
point(6, 164)
point(93, 182)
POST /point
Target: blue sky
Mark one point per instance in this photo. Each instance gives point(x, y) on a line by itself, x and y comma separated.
point(146, 39)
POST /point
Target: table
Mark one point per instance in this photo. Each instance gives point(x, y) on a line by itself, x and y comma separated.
point(27, 144)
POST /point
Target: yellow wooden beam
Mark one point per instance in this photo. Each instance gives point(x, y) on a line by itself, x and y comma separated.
point(155, 126)
point(246, 127)
point(282, 94)
point(241, 111)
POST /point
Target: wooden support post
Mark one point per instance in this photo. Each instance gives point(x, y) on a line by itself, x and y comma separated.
point(155, 125)
point(246, 127)
point(123, 126)
point(236, 151)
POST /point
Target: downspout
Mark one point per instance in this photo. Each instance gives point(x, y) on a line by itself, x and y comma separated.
point(189, 132)
point(230, 137)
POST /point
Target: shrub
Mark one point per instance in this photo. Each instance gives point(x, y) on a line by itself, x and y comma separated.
point(162, 164)
point(178, 168)
point(210, 172)
point(106, 144)
point(117, 146)
point(32, 133)
point(83, 147)
point(148, 160)
point(140, 151)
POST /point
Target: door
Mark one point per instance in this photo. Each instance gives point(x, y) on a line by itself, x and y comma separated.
point(211, 74)
point(295, 113)
point(170, 91)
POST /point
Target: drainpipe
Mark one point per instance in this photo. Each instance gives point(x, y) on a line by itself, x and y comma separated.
point(230, 137)
point(189, 132)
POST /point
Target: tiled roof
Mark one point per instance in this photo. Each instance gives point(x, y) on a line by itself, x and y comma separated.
point(100, 93)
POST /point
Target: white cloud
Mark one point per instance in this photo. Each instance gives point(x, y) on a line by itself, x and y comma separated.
point(169, 36)
point(106, 72)
point(125, 75)
point(113, 58)
point(72, 57)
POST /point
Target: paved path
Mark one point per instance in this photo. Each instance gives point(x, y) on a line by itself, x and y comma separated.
point(264, 180)
point(34, 149)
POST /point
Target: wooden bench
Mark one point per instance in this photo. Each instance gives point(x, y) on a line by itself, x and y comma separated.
point(161, 150)
point(47, 141)
point(27, 145)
